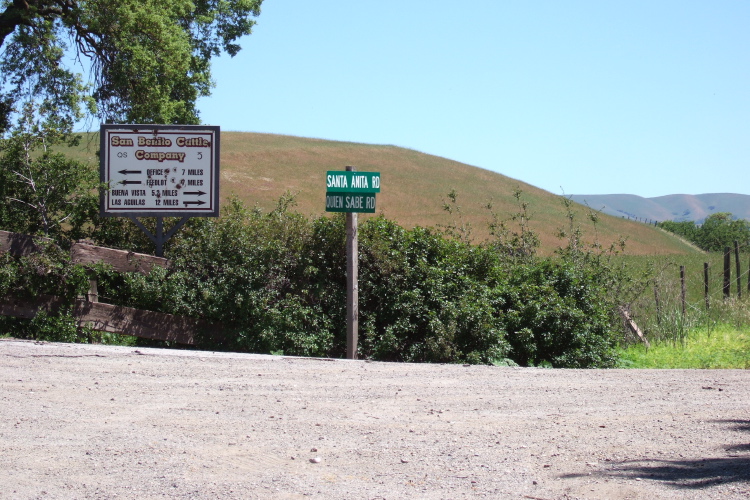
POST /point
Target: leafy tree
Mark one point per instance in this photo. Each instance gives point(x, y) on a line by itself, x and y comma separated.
point(718, 231)
point(686, 229)
point(721, 230)
point(149, 59)
point(45, 191)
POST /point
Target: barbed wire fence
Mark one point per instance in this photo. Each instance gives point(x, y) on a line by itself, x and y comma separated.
point(683, 297)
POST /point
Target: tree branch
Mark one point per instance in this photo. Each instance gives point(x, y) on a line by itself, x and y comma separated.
point(23, 202)
point(16, 14)
point(24, 12)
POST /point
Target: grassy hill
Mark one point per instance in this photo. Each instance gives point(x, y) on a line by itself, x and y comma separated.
point(259, 168)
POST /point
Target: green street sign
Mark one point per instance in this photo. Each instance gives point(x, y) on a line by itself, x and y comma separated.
point(350, 202)
point(352, 182)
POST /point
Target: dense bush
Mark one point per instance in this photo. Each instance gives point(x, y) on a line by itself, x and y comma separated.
point(48, 272)
point(276, 282)
point(427, 298)
point(561, 314)
point(269, 279)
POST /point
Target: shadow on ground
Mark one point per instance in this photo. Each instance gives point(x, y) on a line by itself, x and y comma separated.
point(689, 474)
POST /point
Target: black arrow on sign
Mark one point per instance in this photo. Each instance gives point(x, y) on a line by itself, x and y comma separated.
point(131, 182)
point(194, 203)
point(126, 172)
point(199, 193)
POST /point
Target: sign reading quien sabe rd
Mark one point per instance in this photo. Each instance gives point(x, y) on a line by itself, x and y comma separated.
point(160, 170)
point(350, 202)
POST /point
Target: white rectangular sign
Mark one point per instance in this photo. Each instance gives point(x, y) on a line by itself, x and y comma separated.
point(160, 170)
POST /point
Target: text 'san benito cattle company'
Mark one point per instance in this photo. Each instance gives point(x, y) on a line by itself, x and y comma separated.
point(160, 171)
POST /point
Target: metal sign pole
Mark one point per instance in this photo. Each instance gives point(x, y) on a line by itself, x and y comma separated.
point(352, 282)
point(351, 192)
point(160, 238)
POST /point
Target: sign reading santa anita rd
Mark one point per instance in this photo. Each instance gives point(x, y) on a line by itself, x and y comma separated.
point(160, 170)
point(352, 182)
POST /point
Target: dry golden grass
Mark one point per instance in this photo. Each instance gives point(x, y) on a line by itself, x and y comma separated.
point(259, 168)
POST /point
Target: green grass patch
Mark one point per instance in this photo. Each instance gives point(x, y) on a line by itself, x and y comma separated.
point(722, 346)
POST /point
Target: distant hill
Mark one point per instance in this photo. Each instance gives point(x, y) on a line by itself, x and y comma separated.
point(677, 207)
point(260, 168)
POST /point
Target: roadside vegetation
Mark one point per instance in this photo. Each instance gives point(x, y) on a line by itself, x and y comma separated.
point(275, 282)
point(721, 346)
point(708, 330)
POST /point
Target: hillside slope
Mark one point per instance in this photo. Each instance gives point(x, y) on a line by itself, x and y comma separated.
point(260, 168)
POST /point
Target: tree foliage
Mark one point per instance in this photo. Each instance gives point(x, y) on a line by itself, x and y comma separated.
point(722, 230)
point(149, 60)
point(45, 192)
point(718, 231)
point(685, 229)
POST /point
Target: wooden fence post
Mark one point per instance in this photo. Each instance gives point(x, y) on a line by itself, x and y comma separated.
point(737, 265)
point(705, 285)
point(632, 325)
point(93, 293)
point(727, 272)
point(658, 304)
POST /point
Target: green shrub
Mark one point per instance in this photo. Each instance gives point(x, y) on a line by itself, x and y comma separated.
point(422, 299)
point(259, 275)
point(48, 272)
point(560, 313)
point(276, 282)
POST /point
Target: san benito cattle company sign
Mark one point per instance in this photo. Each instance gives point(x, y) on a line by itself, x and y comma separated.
point(160, 170)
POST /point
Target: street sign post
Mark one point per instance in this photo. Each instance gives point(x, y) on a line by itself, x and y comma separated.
point(159, 171)
point(351, 192)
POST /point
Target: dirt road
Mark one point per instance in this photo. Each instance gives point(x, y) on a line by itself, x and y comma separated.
point(110, 422)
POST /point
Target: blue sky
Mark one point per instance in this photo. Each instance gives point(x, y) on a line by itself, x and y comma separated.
point(581, 97)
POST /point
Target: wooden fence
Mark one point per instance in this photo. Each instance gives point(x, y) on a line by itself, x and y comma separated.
point(88, 311)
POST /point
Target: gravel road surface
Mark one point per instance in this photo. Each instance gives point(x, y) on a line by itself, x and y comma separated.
point(85, 421)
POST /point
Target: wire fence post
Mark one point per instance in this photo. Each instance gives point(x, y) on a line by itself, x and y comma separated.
point(705, 285)
point(737, 263)
point(727, 272)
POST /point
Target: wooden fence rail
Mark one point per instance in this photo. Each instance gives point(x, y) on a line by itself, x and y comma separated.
point(21, 244)
point(122, 261)
point(89, 311)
